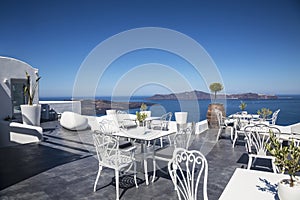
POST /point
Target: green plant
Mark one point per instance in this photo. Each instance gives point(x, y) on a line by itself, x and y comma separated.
point(141, 116)
point(287, 158)
point(143, 107)
point(264, 112)
point(28, 91)
point(216, 87)
point(243, 106)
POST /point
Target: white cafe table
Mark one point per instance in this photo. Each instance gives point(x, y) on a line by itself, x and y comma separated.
point(252, 184)
point(146, 135)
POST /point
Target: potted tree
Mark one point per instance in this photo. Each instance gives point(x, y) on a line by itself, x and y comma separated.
point(287, 159)
point(210, 115)
point(31, 113)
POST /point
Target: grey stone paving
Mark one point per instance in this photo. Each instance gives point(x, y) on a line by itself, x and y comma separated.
point(63, 166)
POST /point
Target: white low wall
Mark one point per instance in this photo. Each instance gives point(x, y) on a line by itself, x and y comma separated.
point(62, 106)
point(201, 126)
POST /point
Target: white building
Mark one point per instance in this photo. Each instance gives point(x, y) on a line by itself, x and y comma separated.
point(12, 81)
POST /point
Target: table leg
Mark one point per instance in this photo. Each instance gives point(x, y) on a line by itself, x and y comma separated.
point(145, 163)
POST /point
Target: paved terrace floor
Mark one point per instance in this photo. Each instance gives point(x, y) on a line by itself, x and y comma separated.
point(63, 166)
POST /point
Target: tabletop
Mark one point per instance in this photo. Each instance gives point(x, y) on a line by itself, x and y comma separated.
point(252, 184)
point(143, 133)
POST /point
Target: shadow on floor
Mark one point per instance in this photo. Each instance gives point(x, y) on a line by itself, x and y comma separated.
point(21, 162)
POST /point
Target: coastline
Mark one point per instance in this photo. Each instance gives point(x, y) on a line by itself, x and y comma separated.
point(289, 105)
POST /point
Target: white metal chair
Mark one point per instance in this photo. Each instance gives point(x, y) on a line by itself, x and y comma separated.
point(186, 169)
point(110, 127)
point(109, 155)
point(182, 139)
point(239, 126)
point(162, 124)
point(125, 120)
point(257, 136)
point(222, 125)
point(274, 117)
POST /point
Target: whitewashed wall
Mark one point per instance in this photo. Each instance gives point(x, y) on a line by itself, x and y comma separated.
point(12, 68)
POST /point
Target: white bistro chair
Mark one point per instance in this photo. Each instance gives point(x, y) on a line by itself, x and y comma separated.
point(239, 126)
point(186, 169)
point(274, 117)
point(126, 120)
point(110, 127)
point(162, 124)
point(109, 155)
point(256, 138)
point(182, 139)
point(222, 125)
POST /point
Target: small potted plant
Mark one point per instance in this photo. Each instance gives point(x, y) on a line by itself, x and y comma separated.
point(264, 113)
point(31, 113)
point(243, 106)
point(143, 114)
point(141, 117)
point(287, 159)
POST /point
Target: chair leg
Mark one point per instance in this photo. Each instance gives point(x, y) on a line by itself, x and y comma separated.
point(219, 133)
point(135, 181)
point(154, 170)
point(97, 178)
point(146, 171)
point(234, 140)
point(249, 162)
point(231, 132)
point(117, 184)
point(175, 176)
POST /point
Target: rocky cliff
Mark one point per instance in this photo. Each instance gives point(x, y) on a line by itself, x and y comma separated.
point(203, 95)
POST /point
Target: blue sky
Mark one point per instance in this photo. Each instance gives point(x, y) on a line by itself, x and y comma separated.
point(254, 44)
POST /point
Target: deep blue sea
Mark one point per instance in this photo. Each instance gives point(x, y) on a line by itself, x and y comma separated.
point(289, 106)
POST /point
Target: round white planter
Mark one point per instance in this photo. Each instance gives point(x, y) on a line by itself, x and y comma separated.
point(285, 192)
point(31, 115)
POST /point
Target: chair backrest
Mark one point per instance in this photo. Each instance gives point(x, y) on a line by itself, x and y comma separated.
point(274, 117)
point(239, 124)
point(121, 116)
point(107, 126)
point(257, 137)
point(107, 148)
point(124, 119)
point(219, 117)
point(184, 137)
point(165, 120)
point(186, 169)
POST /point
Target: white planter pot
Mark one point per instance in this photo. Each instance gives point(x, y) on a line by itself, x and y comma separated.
point(31, 115)
point(285, 192)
